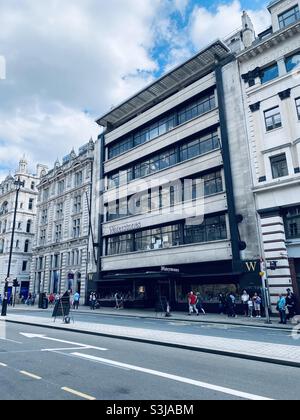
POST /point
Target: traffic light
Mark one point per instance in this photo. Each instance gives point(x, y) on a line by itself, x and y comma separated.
point(16, 283)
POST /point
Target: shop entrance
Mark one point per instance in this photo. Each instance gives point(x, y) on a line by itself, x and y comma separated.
point(164, 289)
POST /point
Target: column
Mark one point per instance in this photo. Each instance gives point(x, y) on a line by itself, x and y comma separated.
point(274, 246)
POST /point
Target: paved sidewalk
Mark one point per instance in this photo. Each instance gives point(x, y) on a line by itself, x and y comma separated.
point(267, 352)
point(176, 316)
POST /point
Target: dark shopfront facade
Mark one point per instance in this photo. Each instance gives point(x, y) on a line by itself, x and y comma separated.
point(148, 287)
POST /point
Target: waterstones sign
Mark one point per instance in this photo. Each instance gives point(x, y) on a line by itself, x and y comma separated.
point(117, 230)
point(170, 270)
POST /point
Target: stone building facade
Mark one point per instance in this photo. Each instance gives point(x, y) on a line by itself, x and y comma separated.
point(63, 257)
point(270, 78)
point(25, 225)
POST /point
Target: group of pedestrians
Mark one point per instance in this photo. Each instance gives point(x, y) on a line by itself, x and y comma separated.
point(252, 305)
point(286, 307)
point(195, 304)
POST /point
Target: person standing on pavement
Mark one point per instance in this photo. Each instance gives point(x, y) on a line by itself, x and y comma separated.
point(222, 304)
point(76, 301)
point(231, 305)
point(245, 300)
point(93, 300)
point(192, 300)
point(281, 306)
point(250, 308)
point(291, 304)
point(257, 301)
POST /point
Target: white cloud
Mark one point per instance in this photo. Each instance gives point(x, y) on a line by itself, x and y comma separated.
point(207, 26)
point(69, 61)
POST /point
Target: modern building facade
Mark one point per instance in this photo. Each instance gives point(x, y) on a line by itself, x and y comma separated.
point(63, 249)
point(179, 209)
point(270, 71)
point(25, 225)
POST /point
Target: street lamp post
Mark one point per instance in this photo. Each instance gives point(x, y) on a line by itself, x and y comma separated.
point(19, 184)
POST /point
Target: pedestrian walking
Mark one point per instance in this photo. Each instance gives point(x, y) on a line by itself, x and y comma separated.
point(245, 299)
point(257, 301)
point(290, 304)
point(199, 304)
point(222, 304)
point(51, 299)
point(281, 307)
point(118, 300)
point(192, 301)
point(76, 301)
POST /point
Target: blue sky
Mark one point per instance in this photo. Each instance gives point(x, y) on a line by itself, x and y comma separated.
point(68, 62)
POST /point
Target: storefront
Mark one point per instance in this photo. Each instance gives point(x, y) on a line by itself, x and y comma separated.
point(148, 287)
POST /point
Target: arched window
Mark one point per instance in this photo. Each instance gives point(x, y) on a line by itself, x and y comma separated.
point(33, 185)
point(26, 247)
point(1, 246)
point(28, 227)
point(4, 208)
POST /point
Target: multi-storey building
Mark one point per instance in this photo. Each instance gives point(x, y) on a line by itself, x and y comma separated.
point(63, 251)
point(177, 188)
point(270, 70)
point(25, 225)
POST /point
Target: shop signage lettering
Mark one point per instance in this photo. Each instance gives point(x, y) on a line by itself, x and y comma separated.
point(251, 266)
point(170, 270)
point(114, 230)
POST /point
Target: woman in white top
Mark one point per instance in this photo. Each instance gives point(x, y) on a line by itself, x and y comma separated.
point(245, 300)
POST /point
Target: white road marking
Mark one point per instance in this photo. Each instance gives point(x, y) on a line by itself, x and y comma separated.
point(43, 337)
point(176, 378)
point(78, 394)
point(10, 341)
point(3, 365)
point(64, 349)
point(30, 375)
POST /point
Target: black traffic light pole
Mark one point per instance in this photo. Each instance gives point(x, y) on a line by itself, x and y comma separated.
point(19, 184)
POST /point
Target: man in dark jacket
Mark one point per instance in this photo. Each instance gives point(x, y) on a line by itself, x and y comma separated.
point(291, 304)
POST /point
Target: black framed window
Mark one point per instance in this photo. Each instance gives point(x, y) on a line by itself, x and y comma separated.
point(273, 119)
point(197, 108)
point(167, 159)
point(279, 166)
point(298, 107)
point(121, 147)
point(292, 223)
point(213, 183)
point(212, 229)
point(292, 62)
point(270, 73)
point(166, 195)
point(185, 113)
point(289, 17)
point(122, 244)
